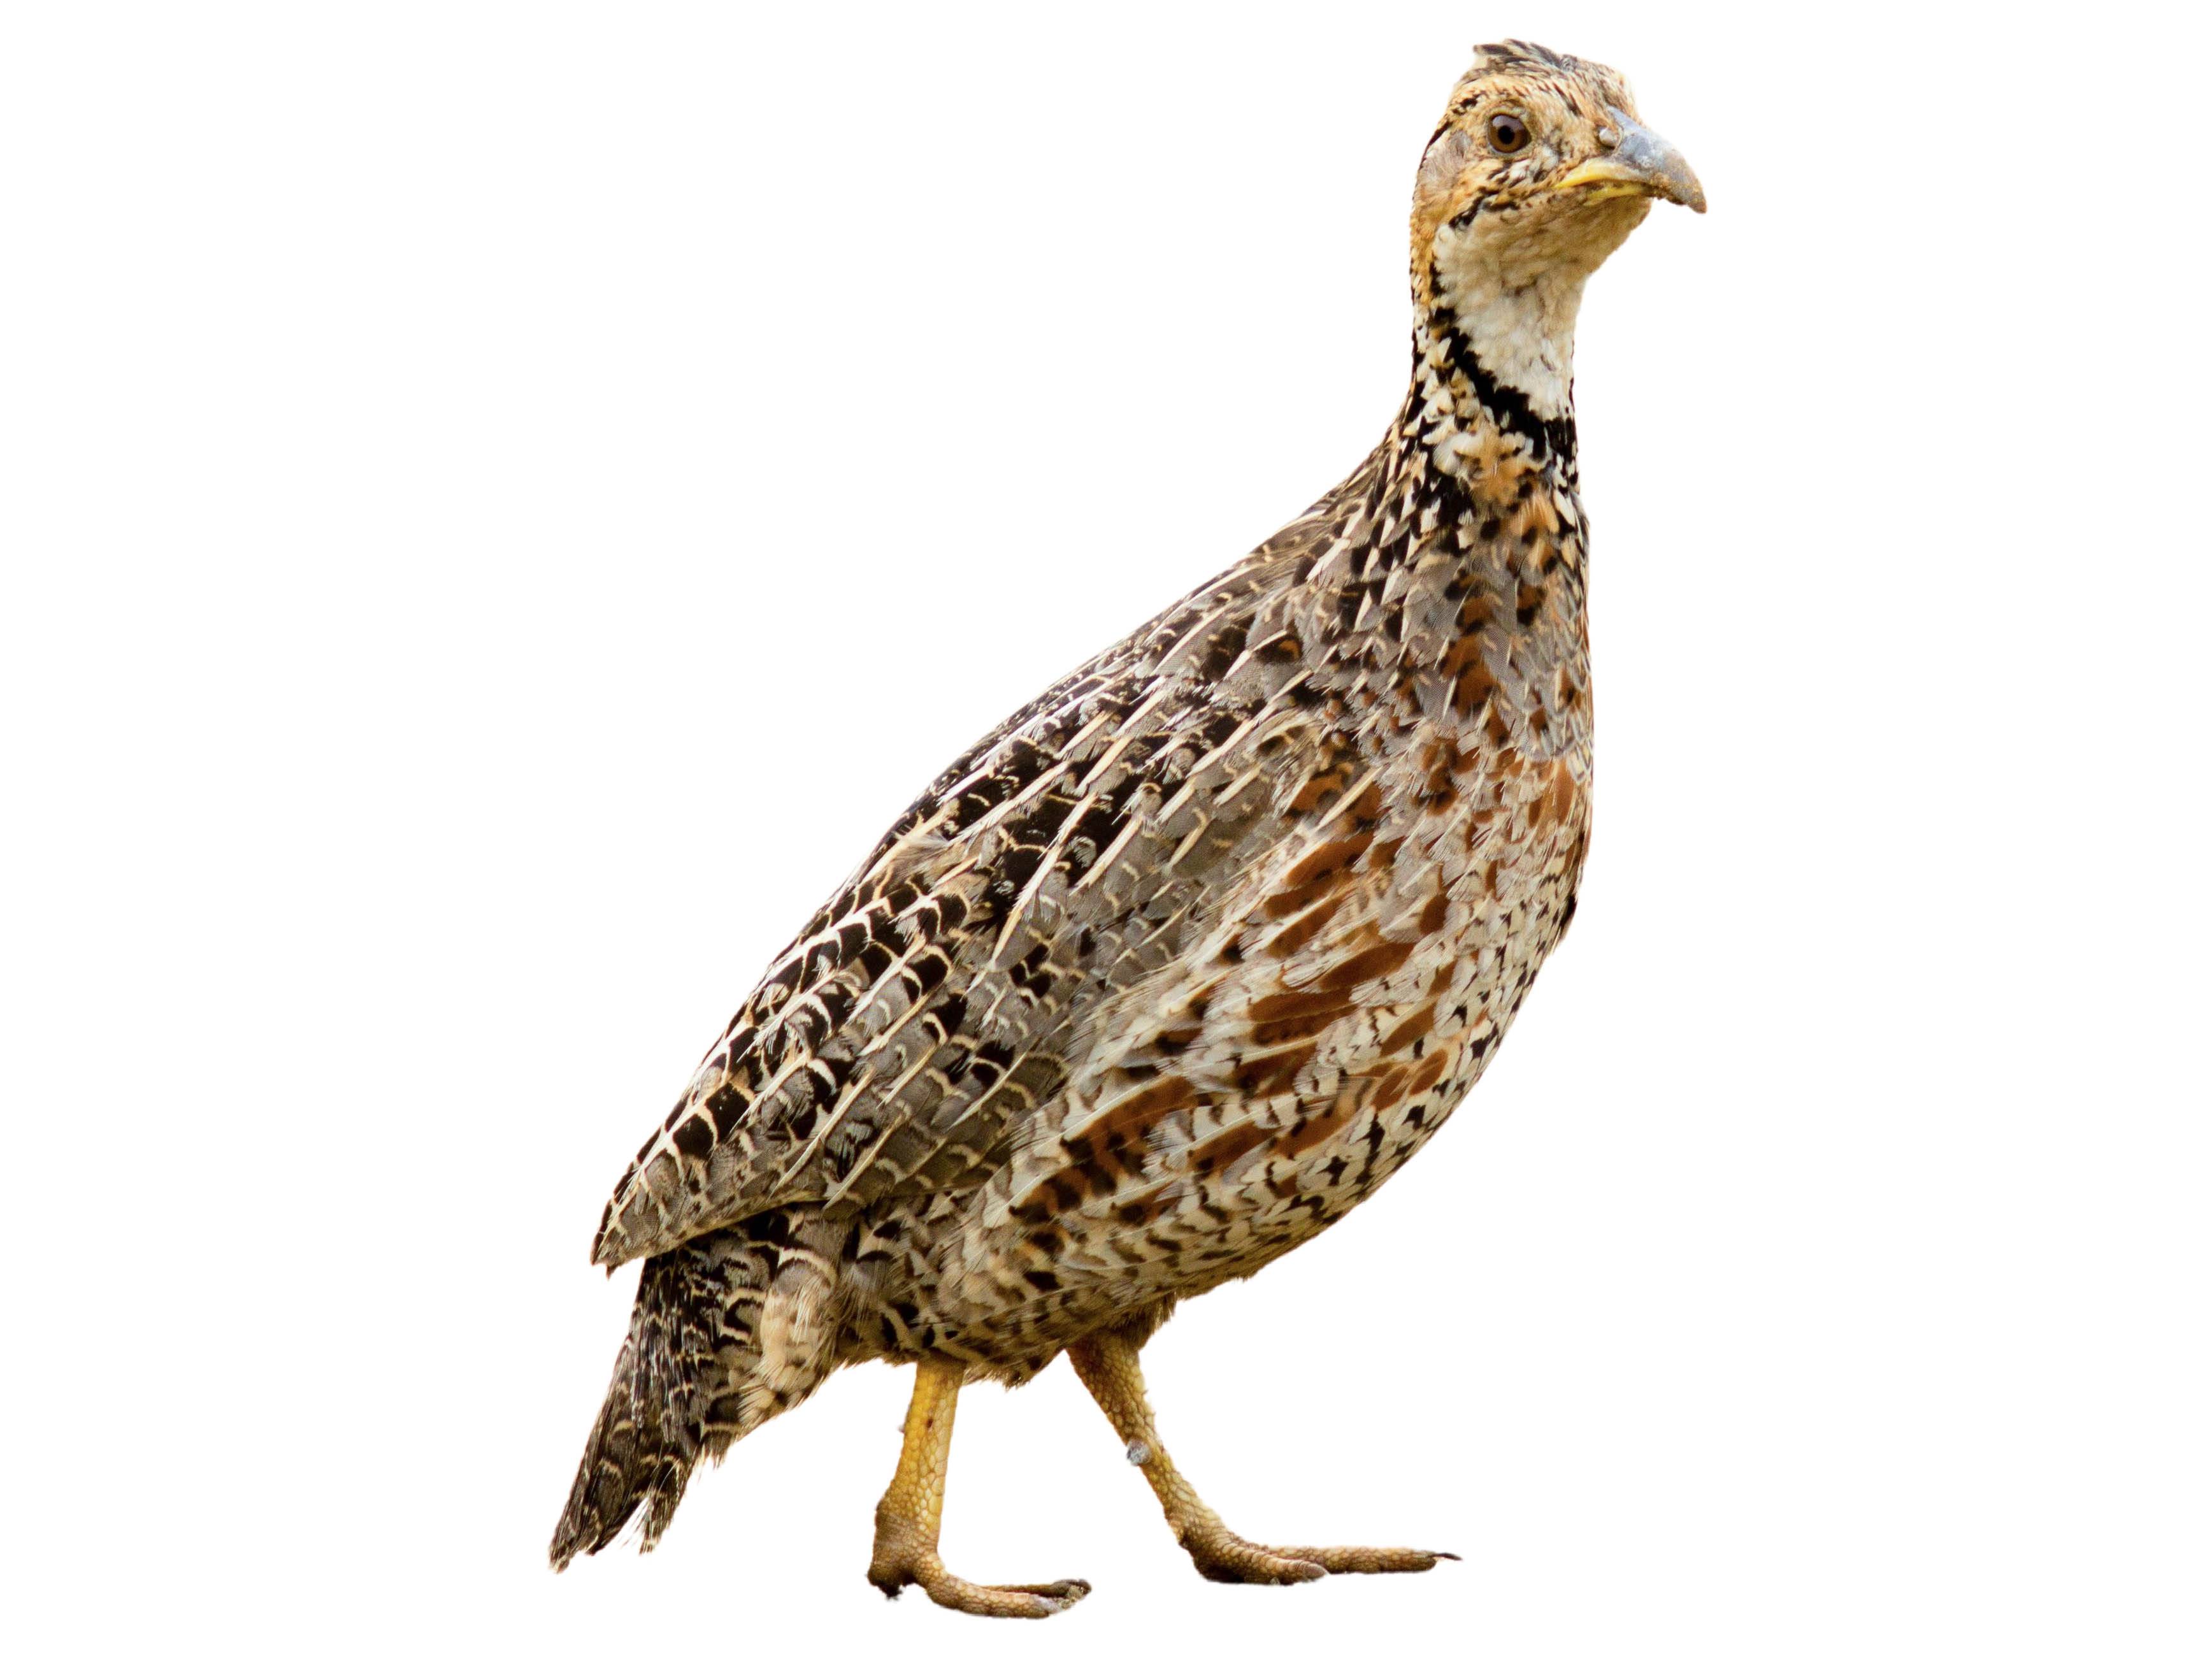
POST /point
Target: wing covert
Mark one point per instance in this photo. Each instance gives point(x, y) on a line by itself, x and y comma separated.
point(902, 1039)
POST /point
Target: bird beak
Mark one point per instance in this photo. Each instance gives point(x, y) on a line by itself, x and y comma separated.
point(1640, 163)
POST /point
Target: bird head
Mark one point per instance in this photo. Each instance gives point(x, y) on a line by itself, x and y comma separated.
point(1539, 170)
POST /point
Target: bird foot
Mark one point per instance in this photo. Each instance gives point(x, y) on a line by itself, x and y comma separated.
point(948, 1590)
point(1228, 1559)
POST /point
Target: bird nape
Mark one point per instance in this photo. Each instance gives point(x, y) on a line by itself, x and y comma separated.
point(1189, 955)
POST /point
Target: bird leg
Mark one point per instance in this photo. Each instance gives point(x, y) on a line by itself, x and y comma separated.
point(907, 1519)
point(1107, 1365)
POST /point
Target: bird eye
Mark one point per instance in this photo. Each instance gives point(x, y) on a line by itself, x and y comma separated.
point(1509, 133)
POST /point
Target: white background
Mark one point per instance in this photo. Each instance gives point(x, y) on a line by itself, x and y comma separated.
point(501, 505)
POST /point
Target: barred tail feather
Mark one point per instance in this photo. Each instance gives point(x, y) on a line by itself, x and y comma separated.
point(728, 1330)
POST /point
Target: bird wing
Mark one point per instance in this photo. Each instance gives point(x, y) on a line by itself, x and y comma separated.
point(900, 1039)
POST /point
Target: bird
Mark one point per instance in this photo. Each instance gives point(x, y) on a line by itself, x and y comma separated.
point(1190, 954)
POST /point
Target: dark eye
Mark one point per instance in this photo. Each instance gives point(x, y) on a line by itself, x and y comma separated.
point(1509, 133)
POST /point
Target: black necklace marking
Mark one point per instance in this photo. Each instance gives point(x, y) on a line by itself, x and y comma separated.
point(1508, 405)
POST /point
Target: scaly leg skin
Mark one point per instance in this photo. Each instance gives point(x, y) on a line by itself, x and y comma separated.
point(1107, 1365)
point(907, 1519)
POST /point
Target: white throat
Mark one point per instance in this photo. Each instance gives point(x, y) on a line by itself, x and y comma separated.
point(1515, 282)
point(1521, 323)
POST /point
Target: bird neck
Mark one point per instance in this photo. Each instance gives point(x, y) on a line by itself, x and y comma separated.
point(1464, 520)
point(1490, 385)
point(1515, 307)
point(1477, 456)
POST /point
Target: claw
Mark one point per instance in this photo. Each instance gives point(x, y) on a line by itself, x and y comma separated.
point(1107, 1363)
point(907, 1520)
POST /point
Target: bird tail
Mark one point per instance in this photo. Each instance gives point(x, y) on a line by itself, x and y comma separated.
point(728, 1330)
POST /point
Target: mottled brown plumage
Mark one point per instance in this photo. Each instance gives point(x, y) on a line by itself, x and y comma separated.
point(1188, 957)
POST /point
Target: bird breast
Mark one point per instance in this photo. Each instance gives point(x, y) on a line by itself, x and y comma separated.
point(1422, 832)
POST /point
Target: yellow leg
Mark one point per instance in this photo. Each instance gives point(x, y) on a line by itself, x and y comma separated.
point(1108, 1366)
point(907, 1519)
